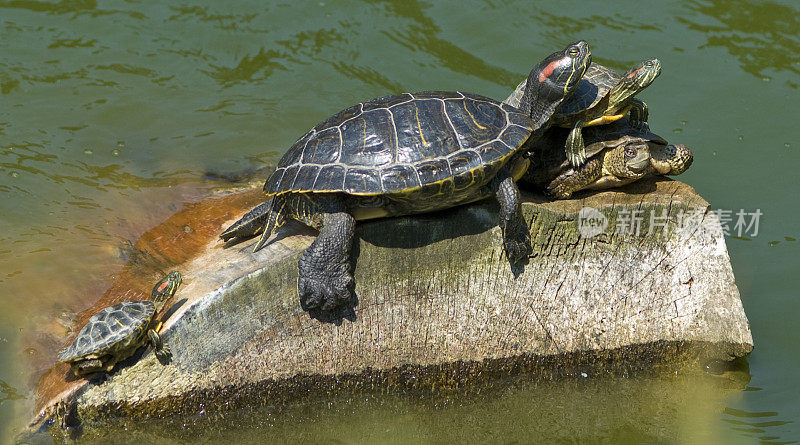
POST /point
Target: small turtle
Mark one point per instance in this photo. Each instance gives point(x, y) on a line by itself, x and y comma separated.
point(619, 153)
point(116, 332)
point(406, 154)
point(603, 96)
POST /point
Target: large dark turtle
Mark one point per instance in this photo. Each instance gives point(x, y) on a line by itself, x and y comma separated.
point(116, 332)
point(406, 154)
point(602, 96)
point(618, 154)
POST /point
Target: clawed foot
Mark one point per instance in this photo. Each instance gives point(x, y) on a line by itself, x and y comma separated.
point(325, 289)
point(164, 355)
point(558, 190)
point(517, 244)
point(576, 159)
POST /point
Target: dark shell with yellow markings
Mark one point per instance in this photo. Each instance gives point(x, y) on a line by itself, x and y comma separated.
point(401, 144)
point(115, 328)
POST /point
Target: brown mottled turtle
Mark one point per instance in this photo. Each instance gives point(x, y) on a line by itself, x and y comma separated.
point(116, 332)
point(603, 96)
point(406, 154)
point(618, 154)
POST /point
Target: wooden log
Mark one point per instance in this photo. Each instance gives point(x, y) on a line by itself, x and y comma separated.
point(438, 307)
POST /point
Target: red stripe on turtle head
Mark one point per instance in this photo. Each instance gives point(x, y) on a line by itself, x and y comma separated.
point(548, 70)
point(634, 72)
point(162, 286)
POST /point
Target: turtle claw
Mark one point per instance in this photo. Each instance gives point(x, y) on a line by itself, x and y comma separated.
point(163, 355)
point(160, 349)
point(518, 245)
point(558, 190)
point(324, 289)
point(576, 159)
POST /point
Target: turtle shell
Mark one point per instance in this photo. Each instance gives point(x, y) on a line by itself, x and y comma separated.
point(548, 159)
point(115, 327)
point(398, 144)
point(592, 88)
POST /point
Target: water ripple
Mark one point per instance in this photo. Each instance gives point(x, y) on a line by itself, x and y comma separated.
point(421, 36)
point(762, 35)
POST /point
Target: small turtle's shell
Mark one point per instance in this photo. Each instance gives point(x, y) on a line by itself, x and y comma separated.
point(398, 144)
point(593, 87)
point(116, 327)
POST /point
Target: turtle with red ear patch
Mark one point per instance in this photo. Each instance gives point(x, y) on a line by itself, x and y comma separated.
point(406, 154)
point(116, 332)
point(603, 96)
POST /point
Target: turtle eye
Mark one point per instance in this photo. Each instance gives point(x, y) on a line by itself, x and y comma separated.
point(630, 152)
point(573, 52)
point(648, 63)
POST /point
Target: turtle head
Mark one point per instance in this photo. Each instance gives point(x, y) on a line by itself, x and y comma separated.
point(672, 159)
point(165, 289)
point(628, 159)
point(635, 80)
point(553, 80)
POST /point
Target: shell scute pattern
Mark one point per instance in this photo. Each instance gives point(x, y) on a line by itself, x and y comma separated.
point(422, 131)
point(362, 181)
point(371, 137)
point(330, 177)
point(338, 118)
point(387, 101)
point(399, 177)
point(323, 148)
point(109, 327)
point(398, 144)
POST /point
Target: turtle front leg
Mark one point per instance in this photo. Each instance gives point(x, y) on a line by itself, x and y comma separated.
point(516, 237)
point(639, 113)
point(325, 278)
point(163, 354)
point(575, 179)
point(575, 147)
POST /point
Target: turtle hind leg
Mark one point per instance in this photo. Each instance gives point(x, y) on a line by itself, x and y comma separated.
point(638, 114)
point(161, 350)
point(516, 236)
point(575, 147)
point(90, 366)
point(325, 279)
point(274, 219)
point(250, 224)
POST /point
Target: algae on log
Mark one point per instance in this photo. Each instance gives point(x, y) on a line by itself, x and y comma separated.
point(439, 306)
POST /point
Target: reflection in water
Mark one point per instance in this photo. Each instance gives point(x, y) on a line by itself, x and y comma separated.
point(602, 409)
point(762, 35)
point(754, 424)
point(245, 71)
point(421, 36)
point(8, 392)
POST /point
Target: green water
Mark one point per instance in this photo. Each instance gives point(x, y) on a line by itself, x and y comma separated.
point(111, 113)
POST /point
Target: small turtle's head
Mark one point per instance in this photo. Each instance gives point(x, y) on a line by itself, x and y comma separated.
point(671, 159)
point(644, 73)
point(165, 288)
point(635, 80)
point(553, 80)
point(629, 159)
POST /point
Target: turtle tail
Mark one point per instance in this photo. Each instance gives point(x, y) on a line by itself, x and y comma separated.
point(274, 219)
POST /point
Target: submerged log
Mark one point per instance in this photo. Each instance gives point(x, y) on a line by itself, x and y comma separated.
point(438, 307)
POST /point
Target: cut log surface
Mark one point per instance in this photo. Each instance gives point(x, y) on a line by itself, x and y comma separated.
point(439, 306)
